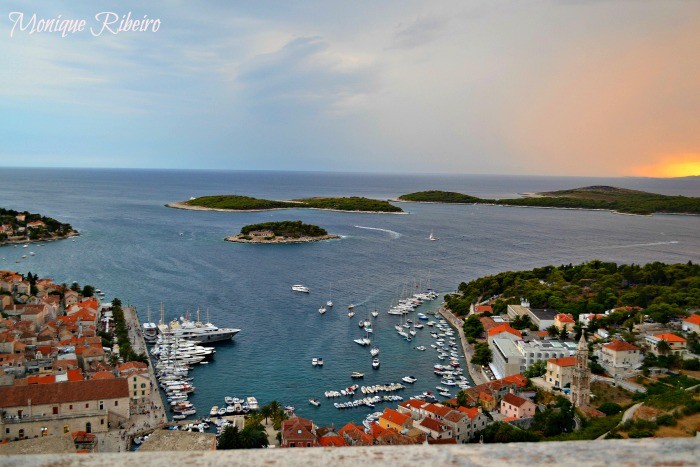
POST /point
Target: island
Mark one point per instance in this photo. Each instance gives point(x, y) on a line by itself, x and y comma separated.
point(25, 227)
point(248, 203)
point(281, 232)
point(620, 200)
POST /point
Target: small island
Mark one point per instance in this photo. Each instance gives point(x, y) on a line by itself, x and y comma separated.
point(281, 232)
point(25, 227)
point(620, 200)
point(247, 203)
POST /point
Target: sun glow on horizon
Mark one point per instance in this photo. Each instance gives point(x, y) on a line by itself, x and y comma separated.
point(679, 165)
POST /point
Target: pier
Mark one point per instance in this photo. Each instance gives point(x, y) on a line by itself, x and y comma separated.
point(149, 412)
point(474, 371)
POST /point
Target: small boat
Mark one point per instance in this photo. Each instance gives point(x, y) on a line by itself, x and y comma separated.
point(329, 303)
point(214, 411)
point(409, 379)
point(314, 361)
point(375, 312)
point(315, 402)
point(179, 416)
point(351, 306)
point(351, 314)
point(322, 310)
point(25, 246)
point(319, 362)
point(230, 410)
point(31, 253)
point(432, 237)
point(357, 375)
point(420, 347)
point(375, 363)
point(300, 288)
point(374, 351)
point(228, 400)
point(222, 412)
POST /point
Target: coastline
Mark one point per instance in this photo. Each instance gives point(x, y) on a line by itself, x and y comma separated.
point(187, 207)
point(279, 240)
point(73, 233)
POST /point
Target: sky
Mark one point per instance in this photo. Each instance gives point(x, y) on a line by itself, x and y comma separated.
point(589, 87)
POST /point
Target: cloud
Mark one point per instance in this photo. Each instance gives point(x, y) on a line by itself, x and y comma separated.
point(421, 31)
point(674, 165)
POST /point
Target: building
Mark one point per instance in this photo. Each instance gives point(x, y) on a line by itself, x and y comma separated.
point(435, 429)
point(516, 407)
point(676, 344)
point(619, 357)
point(394, 419)
point(581, 380)
point(511, 356)
point(503, 328)
point(692, 323)
point(298, 432)
point(48, 409)
point(560, 371)
point(564, 320)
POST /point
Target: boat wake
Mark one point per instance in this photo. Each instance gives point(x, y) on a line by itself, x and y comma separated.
point(635, 245)
point(390, 232)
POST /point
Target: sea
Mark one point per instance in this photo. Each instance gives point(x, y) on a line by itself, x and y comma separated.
point(133, 247)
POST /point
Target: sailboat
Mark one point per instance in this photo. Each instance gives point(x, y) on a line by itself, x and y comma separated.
point(329, 303)
point(432, 237)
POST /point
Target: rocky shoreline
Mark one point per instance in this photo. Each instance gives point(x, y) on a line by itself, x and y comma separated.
point(185, 206)
point(240, 238)
point(15, 241)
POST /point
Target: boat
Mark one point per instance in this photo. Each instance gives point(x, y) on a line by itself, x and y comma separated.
point(351, 306)
point(179, 416)
point(374, 351)
point(300, 288)
point(329, 303)
point(214, 411)
point(319, 361)
point(351, 314)
point(315, 402)
point(150, 330)
point(228, 400)
point(432, 237)
point(203, 333)
point(375, 363)
point(252, 403)
point(314, 361)
point(375, 312)
point(420, 347)
point(357, 375)
point(222, 411)
point(409, 379)
point(322, 310)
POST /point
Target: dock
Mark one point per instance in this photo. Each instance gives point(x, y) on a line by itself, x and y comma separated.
point(474, 371)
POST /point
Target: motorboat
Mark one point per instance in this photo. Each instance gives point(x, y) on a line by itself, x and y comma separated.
point(314, 361)
point(357, 375)
point(432, 237)
point(315, 402)
point(375, 312)
point(351, 314)
point(322, 310)
point(221, 412)
point(228, 400)
point(252, 403)
point(375, 363)
point(409, 379)
point(214, 411)
point(374, 351)
point(351, 306)
point(319, 362)
point(300, 288)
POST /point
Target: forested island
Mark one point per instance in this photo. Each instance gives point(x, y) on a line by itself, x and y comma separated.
point(247, 203)
point(281, 232)
point(610, 198)
point(24, 227)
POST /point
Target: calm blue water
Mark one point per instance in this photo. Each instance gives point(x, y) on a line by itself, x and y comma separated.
point(130, 247)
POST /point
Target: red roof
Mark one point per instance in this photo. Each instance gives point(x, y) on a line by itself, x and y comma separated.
point(694, 319)
point(333, 441)
point(668, 337)
point(504, 328)
point(103, 375)
point(413, 403)
point(483, 309)
point(564, 318)
point(75, 374)
point(41, 379)
point(563, 361)
point(472, 412)
point(41, 394)
point(434, 425)
point(437, 409)
point(620, 345)
point(393, 416)
point(512, 399)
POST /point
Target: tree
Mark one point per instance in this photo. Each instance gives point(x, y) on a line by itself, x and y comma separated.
point(663, 347)
point(482, 354)
point(229, 438)
point(266, 412)
point(553, 332)
point(88, 291)
point(564, 334)
point(75, 287)
point(473, 327)
point(535, 370)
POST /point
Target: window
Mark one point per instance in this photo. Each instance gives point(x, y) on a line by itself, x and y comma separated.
point(291, 445)
point(55, 410)
point(70, 407)
point(116, 403)
point(143, 385)
point(102, 405)
point(102, 421)
point(66, 429)
point(88, 427)
point(7, 431)
point(20, 434)
point(143, 393)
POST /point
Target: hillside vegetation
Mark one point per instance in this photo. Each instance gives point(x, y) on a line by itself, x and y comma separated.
point(657, 290)
point(592, 197)
point(244, 203)
point(288, 229)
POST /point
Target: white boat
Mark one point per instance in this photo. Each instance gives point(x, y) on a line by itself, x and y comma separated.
point(322, 310)
point(222, 412)
point(374, 351)
point(375, 363)
point(357, 375)
point(351, 306)
point(314, 402)
point(228, 400)
point(432, 237)
point(329, 303)
point(351, 314)
point(300, 288)
point(375, 312)
point(314, 361)
point(252, 403)
point(319, 362)
point(214, 411)
point(409, 379)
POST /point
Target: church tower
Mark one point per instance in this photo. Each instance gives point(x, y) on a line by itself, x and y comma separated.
point(581, 382)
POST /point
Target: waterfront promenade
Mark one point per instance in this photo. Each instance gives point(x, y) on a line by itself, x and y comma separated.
point(474, 370)
point(149, 412)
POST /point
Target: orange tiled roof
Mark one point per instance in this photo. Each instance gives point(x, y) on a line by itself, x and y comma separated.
point(483, 309)
point(337, 441)
point(434, 425)
point(668, 337)
point(40, 394)
point(393, 416)
point(413, 403)
point(564, 318)
point(563, 361)
point(472, 412)
point(103, 375)
point(517, 379)
point(512, 399)
point(617, 345)
point(504, 328)
point(694, 319)
point(437, 409)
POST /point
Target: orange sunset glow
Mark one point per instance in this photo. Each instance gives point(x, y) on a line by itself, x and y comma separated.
point(682, 165)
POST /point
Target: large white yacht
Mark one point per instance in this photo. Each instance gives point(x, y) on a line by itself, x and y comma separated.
point(300, 288)
point(204, 333)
